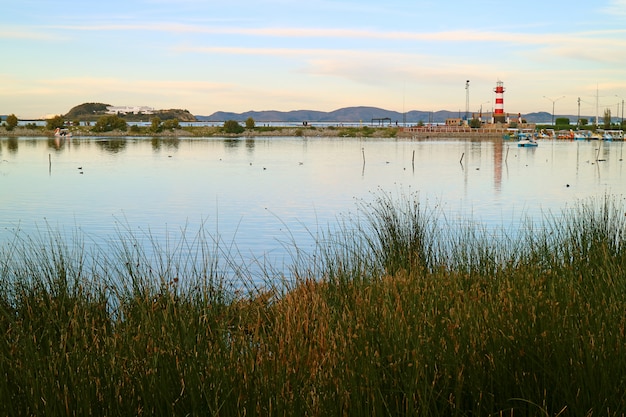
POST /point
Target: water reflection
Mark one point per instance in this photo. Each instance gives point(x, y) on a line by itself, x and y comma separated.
point(113, 145)
point(261, 192)
point(498, 150)
point(12, 145)
point(168, 143)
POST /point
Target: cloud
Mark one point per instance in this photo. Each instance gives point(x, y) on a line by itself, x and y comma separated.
point(27, 34)
point(615, 7)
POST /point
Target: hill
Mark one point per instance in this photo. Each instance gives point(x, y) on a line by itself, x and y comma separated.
point(347, 114)
point(365, 114)
point(356, 114)
point(87, 111)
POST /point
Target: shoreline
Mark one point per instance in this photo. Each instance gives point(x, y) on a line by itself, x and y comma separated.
point(310, 131)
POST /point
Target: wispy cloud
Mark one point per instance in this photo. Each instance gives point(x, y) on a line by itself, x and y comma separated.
point(334, 33)
point(127, 85)
point(616, 7)
point(584, 46)
point(28, 34)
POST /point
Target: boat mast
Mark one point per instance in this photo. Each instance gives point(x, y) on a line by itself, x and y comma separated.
point(596, 105)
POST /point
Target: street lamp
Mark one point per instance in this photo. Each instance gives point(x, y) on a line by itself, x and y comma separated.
point(553, 101)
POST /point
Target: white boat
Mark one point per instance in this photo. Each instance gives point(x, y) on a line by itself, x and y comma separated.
point(582, 135)
point(613, 135)
point(527, 143)
point(62, 132)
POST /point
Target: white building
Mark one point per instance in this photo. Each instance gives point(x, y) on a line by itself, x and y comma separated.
point(129, 109)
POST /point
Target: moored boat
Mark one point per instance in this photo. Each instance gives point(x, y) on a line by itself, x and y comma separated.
point(526, 138)
point(527, 143)
point(62, 132)
point(582, 135)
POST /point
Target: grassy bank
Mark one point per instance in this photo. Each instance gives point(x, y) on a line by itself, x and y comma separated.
point(392, 315)
point(213, 131)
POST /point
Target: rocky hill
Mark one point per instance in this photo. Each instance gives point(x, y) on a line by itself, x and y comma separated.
point(91, 111)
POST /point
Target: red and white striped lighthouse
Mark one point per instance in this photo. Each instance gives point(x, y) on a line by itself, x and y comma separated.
point(498, 114)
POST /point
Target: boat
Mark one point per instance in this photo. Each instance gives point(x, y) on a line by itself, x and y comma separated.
point(510, 133)
point(526, 138)
point(613, 135)
point(565, 134)
point(582, 135)
point(527, 143)
point(546, 134)
point(62, 132)
point(524, 134)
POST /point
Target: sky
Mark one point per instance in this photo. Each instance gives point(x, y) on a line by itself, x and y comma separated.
point(239, 55)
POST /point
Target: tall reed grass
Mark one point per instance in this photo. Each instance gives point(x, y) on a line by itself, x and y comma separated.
point(398, 312)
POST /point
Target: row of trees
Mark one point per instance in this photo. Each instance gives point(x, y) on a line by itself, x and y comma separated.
point(607, 122)
point(232, 126)
point(110, 122)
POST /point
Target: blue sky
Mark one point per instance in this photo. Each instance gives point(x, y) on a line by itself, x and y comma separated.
point(240, 55)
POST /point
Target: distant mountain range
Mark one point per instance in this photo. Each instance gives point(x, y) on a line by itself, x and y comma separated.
point(364, 114)
point(356, 114)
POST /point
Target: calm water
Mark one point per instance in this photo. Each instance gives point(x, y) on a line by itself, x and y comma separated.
point(260, 194)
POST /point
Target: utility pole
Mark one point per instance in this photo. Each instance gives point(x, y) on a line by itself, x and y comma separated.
point(466, 99)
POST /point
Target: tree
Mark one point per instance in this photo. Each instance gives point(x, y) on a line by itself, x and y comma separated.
point(11, 121)
point(171, 124)
point(583, 122)
point(110, 122)
point(250, 123)
point(232, 126)
point(55, 122)
point(561, 121)
point(155, 124)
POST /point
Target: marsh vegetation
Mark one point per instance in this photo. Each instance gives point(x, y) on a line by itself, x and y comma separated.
point(392, 314)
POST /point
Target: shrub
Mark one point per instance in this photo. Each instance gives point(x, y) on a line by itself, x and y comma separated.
point(250, 123)
point(232, 126)
point(171, 124)
point(110, 122)
point(11, 121)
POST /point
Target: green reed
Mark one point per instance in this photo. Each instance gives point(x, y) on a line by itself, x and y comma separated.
point(398, 312)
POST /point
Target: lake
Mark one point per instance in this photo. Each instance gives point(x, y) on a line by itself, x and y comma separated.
point(258, 196)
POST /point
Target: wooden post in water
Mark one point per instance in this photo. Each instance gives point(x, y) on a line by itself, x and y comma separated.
point(413, 160)
point(363, 150)
point(461, 160)
point(49, 163)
